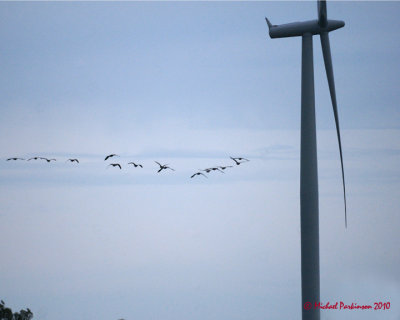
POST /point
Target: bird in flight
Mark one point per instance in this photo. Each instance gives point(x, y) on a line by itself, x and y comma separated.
point(114, 165)
point(14, 159)
point(163, 166)
point(135, 164)
point(110, 156)
point(197, 174)
point(237, 160)
point(73, 160)
point(48, 160)
point(208, 170)
point(34, 158)
point(223, 168)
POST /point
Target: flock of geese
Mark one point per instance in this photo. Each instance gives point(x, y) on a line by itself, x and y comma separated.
point(237, 161)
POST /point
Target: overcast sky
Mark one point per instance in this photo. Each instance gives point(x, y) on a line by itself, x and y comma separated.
point(190, 84)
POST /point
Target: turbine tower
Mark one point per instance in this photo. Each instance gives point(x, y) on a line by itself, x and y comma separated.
point(309, 220)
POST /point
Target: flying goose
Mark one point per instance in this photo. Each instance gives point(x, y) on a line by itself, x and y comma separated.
point(223, 168)
point(135, 164)
point(114, 165)
point(110, 156)
point(197, 174)
point(163, 166)
point(237, 160)
point(208, 170)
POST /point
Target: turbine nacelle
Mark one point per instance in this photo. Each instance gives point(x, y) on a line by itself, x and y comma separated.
point(298, 29)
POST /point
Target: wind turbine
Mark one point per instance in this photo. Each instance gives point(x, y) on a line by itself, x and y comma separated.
point(309, 219)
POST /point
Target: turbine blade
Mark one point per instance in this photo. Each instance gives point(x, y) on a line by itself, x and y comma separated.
point(326, 50)
point(322, 14)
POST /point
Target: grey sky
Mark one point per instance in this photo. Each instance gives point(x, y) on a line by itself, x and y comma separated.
point(190, 84)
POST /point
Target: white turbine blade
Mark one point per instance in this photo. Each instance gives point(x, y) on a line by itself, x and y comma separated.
point(322, 15)
point(326, 50)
